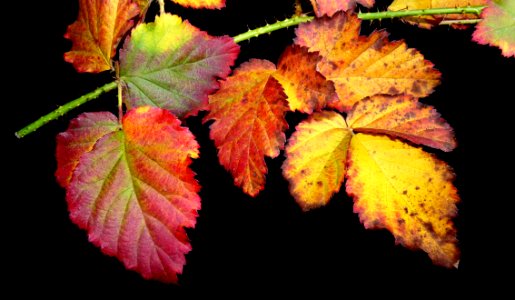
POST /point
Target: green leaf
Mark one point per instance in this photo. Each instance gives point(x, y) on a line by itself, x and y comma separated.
point(173, 65)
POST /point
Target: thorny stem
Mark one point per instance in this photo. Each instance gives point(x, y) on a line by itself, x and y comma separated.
point(295, 20)
point(420, 12)
point(65, 108)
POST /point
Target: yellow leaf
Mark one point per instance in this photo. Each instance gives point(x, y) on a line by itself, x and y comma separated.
point(315, 158)
point(407, 191)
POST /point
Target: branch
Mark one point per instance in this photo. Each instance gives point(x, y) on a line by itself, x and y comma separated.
point(420, 12)
point(293, 21)
point(65, 108)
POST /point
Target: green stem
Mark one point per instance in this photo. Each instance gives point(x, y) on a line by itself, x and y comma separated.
point(420, 12)
point(364, 16)
point(65, 108)
point(271, 27)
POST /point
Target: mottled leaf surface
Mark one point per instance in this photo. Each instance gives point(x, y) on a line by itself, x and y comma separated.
point(315, 159)
point(402, 116)
point(363, 66)
point(407, 191)
point(306, 88)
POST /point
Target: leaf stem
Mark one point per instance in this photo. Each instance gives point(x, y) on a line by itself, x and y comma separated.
point(65, 108)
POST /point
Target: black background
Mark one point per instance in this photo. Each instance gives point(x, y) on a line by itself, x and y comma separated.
point(257, 244)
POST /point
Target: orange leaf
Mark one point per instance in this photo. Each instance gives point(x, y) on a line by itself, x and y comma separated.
point(407, 191)
point(365, 66)
point(249, 112)
point(428, 21)
point(97, 32)
point(315, 159)
point(402, 116)
point(329, 7)
point(307, 89)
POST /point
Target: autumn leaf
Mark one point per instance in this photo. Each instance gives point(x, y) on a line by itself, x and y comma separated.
point(315, 159)
point(201, 3)
point(307, 89)
point(249, 112)
point(402, 116)
point(407, 191)
point(95, 35)
point(135, 194)
point(428, 21)
point(394, 184)
point(173, 65)
point(498, 26)
point(80, 137)
point(329, 7)
point(363, 66)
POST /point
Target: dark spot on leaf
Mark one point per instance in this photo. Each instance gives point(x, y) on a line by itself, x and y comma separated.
point(393, 91)
point(333, 65)
point(405, 210)
point(405, 192)
point(319, 183)
point(415, 88)
point(417, 188)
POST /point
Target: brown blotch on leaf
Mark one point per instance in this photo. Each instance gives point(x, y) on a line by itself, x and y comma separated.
point(393, 91)
point(416, 88)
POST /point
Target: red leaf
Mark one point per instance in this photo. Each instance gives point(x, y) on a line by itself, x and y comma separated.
point(249, 122)
point(80, 137)
point(97, 32)
point(134, 193)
